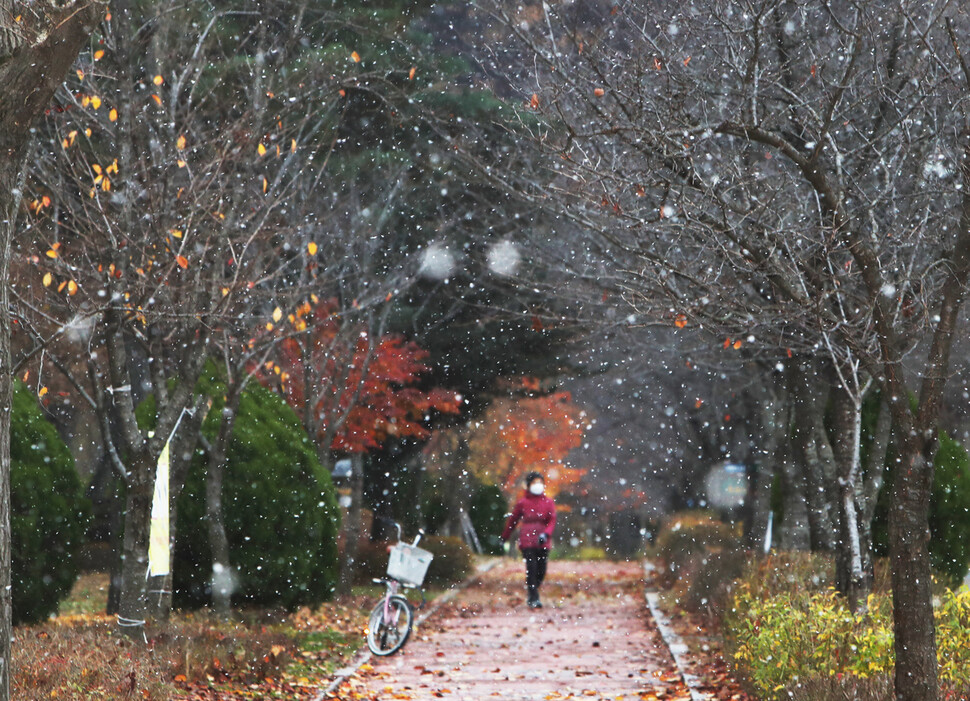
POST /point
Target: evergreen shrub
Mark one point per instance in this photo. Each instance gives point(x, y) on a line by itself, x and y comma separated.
point(280, 510)
point(949, 544)
point(488, 509)
point(48, 512)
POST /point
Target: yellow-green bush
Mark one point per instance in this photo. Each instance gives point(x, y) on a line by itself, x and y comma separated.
point(792, 639)
point(582, 552)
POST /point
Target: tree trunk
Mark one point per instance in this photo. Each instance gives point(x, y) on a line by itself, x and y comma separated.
point(851, 578)
point(9, 181)
point(794, 531)
point(808, 439)
point(34, 56)
point(352, 526)
point(909, 533)
point(458, 494)
point(222, 577)
point(117, 566)
point(132, 605)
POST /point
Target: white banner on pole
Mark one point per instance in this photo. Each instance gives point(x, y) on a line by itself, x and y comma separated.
point(159, 558)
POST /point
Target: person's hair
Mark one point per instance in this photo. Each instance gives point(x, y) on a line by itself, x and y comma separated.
point(532, 477)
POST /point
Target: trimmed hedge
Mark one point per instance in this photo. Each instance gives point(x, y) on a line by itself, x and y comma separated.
point(281, 514)
point(48, 512)
point(452, 561)
point(688, 538)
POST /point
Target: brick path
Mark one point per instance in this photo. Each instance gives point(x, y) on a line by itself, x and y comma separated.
point(594, 639)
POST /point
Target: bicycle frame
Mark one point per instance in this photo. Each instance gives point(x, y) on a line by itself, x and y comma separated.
point(393, 587)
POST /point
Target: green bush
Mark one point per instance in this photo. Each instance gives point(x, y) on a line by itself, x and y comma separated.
point(949, 506)
point(48, 512)
point(280, 510)
point(452, 561)
point(488, 509)
point(949, 542)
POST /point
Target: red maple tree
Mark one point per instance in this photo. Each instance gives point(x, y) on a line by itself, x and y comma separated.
point(354, 389)
point(519, 434)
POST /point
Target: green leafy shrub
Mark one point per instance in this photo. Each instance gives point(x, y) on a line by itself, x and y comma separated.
point(949, 543)
point(280, 510)
point(488, 509)
point(452, 561)
point(48, 512)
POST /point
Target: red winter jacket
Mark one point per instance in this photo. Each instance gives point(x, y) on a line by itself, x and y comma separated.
point(538, 515)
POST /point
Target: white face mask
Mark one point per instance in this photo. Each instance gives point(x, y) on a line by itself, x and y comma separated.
point(537, 488)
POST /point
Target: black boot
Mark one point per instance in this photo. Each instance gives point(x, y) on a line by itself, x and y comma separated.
point(533, 600)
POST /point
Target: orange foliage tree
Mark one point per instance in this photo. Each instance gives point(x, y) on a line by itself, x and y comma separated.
point(354, 388)
point(519, 434)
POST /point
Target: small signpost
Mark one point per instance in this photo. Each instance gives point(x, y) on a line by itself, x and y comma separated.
point(727, 486)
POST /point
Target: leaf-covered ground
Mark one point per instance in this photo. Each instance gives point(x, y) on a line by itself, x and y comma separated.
point(594, 639)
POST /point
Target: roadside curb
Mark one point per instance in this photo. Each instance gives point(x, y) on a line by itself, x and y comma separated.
point(364, 655)
point(675, 645)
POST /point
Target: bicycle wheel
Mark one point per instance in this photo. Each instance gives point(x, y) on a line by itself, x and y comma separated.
point(387, 635)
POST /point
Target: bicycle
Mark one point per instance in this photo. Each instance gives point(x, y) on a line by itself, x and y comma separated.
point(391, 620)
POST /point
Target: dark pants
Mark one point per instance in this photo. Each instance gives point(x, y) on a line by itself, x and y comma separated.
point(535, 568)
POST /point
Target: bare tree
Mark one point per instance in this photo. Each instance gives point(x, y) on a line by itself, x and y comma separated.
point(159, 221)
point(780, 172)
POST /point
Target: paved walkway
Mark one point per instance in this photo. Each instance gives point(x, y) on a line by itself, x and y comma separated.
point(594, 639)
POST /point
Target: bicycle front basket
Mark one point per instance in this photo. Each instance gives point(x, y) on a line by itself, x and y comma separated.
point(408, 564)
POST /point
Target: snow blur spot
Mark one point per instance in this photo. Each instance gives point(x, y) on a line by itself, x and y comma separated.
point(224, 580)
point(437, 262)
point(503, 258)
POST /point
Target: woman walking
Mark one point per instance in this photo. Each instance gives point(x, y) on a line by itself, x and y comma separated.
point(537, 512)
